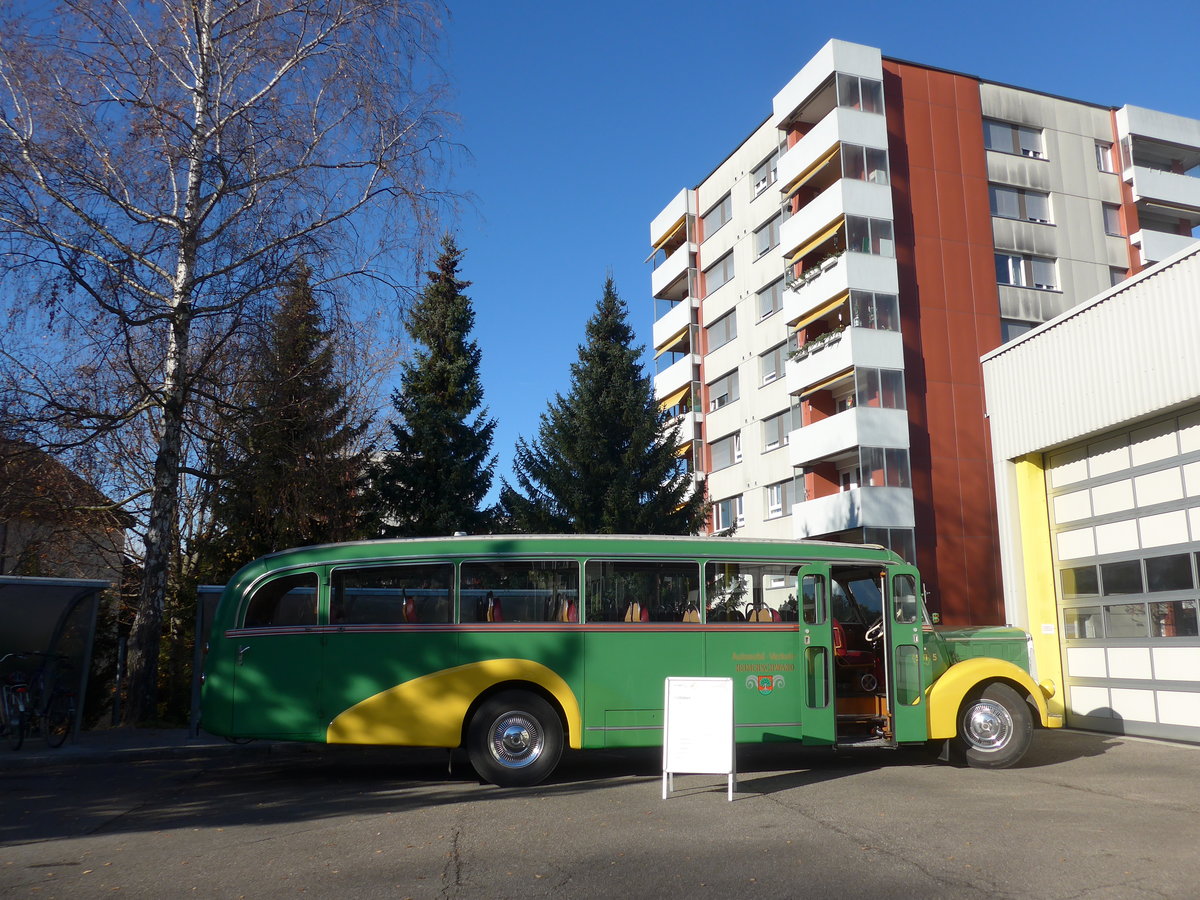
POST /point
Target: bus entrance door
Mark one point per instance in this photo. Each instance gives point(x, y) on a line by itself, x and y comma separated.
point(905, 691)
point(818, 712)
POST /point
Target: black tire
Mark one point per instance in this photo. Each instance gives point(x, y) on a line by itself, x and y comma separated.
point(994, 728)
point(515, 739)
point(58, 719)
point(16, 726)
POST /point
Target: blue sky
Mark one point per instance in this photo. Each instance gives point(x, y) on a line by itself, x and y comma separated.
point(584, 120)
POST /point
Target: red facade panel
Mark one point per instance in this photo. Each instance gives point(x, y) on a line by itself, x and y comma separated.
point(950, 316)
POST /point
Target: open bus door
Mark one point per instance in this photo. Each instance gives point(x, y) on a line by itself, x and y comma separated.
point(906, 699)
point(819, 711)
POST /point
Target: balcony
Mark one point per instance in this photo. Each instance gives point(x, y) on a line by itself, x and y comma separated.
point(673, 214)
point(816, 220)
point(676, 376)
point(666, 278)
point(804, 90)
point(672, 323)
point(835, 277)
point(851, 348)
point(1164, 189)
point(864, 426)
point(689, 428)
point(818, 148)
point(869, 507)
point(1158, 245)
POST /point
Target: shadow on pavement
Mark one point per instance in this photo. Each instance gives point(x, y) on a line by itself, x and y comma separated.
point(237, 787)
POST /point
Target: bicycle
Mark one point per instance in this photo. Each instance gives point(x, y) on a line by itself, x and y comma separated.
point(28, 703)
point(14, 706)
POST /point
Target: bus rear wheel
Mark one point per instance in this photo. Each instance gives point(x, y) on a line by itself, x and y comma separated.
point(995, 728)
point(515, 739)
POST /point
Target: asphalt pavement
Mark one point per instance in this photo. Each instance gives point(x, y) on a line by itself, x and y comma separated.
point(157, 814)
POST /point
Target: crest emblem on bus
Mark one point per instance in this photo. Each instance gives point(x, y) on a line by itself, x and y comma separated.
point(765, 684)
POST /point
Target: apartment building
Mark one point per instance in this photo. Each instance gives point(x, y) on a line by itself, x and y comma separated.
point(824, 296)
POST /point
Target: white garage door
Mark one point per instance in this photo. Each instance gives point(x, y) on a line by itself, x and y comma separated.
point(1125, 512)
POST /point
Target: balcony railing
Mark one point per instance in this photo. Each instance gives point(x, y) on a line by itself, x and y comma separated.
point(865, 507)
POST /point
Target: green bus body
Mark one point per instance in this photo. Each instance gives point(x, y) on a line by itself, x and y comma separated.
point(516, 645)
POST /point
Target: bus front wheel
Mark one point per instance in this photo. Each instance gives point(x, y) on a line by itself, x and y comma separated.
point(515, 739)
point(995, 728)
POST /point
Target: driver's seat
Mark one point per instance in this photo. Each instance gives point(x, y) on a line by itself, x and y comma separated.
point(847, 657)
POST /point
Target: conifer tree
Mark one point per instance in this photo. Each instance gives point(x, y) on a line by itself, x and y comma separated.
point(603, 460)
point(434, 477)
point(291, 470)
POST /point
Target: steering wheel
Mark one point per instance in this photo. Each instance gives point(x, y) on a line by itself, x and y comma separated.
point(875, 632)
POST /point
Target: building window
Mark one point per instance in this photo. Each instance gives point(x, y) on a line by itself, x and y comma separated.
point(881, 467)
point(722, 331)
point(1020, 140)
point(1116, 276)
point(874, 236)
point(871, 310)
point(1112, 219)
point(1018, 203)
point(729, 513)
point(723, 391)
point(1026, 271)
point(726, 451)
point(776, 430)
point(854, 92)
point(717, 216)
point(718, 274)
point(770, 299)
point(1011, 329)
point(767, 237)
point(865, 164)
point(765, 173)
point(771, 363)
point(898, 540)
point(1104, 156)
point(880, 388)
point(779, 498)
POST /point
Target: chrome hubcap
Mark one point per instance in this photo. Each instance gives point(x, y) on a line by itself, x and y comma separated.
point(516, 740)
point(988, 725)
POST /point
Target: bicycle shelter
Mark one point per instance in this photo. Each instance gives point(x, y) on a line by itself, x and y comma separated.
point(51, 616)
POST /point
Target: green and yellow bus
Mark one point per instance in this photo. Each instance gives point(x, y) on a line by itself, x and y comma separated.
point(516, 646)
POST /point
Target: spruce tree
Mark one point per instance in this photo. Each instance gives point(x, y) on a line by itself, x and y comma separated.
point(290, 471)
point(434, 477)
point(604, 459)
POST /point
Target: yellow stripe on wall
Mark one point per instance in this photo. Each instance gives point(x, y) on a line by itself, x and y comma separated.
point(429, 711)
point(1038, 563)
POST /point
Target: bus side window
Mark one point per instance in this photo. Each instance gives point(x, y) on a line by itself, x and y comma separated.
point(750, 592)
point(417, 594)
point(642, 591)
point(534, 590)
point(904, 597)
point(290, 600)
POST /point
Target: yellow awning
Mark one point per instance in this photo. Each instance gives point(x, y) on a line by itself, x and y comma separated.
point(827, 383)
point(684, 449)
point(822, 311)
point(817, 241)
point(673, 341)
point(800, 180)
point(671, 232)
point(668, 402)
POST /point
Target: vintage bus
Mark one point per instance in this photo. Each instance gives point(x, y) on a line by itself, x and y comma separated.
point(516, 646)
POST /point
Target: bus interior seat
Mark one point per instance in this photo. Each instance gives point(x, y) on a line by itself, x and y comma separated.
point(635, 612)
point(844, 654)
point(691, 614)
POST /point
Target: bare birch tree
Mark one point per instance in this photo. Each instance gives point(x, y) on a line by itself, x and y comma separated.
point(162, 162)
